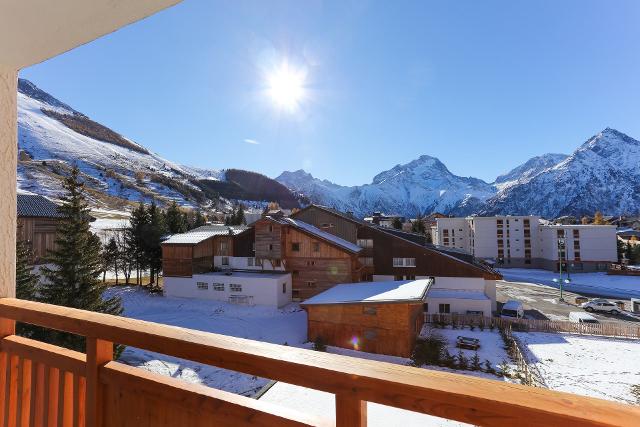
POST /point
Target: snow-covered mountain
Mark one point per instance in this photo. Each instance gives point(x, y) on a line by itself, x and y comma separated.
point(52, 136)
point(423, 185)
point(602, 174)
point(530, 168)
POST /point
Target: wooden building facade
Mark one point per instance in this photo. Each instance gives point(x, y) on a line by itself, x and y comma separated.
point(37, 223)
point(390, 254)
point(316, 261)
point(385, 326)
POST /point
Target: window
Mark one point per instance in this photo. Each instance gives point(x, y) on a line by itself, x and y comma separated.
point(527, 233)
point(234, 287)
point(527, 243)
point(311, 263)
point(371, 311)
point(445, 232)
point(284, 288)
point(444, 308)
point(225, 260)
point(223, 247)
point(365, 243)
point(576, 256)
point(311, 284)
point(404, 262)
point(270, 228)
point(560, 233)
point(526, 223)
point(276, 262)
point(367, 261)
point(295, 247)
point(500, 243)
point(327, 225)
point(203, 286)
point(270, 247)
point(316, 246)
point(527, 260)
point(576, 244)
point(218, 287)
point(250, 262)
point(576, 234)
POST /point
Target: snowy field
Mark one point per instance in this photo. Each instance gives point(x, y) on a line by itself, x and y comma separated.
point(593, 366)
point(596, 284)
point(279, 326)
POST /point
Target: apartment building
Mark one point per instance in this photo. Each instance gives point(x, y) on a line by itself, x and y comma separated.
point(525, 241)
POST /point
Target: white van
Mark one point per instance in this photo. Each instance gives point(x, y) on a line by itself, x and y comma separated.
point(581, 317)
point(511, 309)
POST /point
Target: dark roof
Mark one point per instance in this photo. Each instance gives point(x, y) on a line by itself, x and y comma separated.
point(33, 205)
point(346, 216)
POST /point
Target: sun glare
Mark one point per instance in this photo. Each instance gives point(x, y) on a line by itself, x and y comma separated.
point(286, 87)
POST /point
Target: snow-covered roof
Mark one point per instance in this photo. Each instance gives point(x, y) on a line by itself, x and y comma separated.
point(189, 238)
point(405, 290)
point(319, 233)
point(220, 229)
point(456, 294)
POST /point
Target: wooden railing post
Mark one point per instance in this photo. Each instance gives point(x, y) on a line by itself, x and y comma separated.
point(99, 352)
point(350, 411)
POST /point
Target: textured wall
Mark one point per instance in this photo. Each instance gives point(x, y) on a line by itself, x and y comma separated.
point(8, 167)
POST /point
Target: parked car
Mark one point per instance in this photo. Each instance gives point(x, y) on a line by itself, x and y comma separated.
point(581, 317)
point(512, 308)
point(601, 305)
point(468, 343)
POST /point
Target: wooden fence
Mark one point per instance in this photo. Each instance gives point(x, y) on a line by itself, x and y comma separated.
point(529, 372)
point(611, 329)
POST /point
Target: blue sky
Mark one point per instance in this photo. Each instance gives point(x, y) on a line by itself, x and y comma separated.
point(482, 85)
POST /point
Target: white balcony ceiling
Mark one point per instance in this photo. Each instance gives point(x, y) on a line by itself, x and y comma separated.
point(32, 31)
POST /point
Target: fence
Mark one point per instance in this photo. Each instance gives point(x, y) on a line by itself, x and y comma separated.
point(534, 325)
point(530, 373)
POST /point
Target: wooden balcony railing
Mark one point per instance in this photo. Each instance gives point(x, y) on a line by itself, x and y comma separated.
point(46, 385)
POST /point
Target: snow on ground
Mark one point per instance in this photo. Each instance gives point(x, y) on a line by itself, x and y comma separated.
point(287, 325)
point(491, 348)
point(593, 366)
point(597, 284)
point(322, 404)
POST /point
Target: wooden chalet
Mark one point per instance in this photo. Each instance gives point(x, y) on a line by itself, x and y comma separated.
point(393, 254)
point(379, 317)
point(316, 260)
point(38, 219)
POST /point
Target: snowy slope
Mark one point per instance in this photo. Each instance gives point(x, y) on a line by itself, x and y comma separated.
point(530, 168)
point(423, 185)
point(602, 174)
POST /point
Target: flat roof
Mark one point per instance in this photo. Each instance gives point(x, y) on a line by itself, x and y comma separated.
point(365, 292)
point(456, 294)
point(246, 274)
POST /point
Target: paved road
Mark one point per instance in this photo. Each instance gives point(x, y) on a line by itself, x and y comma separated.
point(542, 302)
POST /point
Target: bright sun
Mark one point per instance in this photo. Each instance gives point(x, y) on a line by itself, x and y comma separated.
point(286, 87)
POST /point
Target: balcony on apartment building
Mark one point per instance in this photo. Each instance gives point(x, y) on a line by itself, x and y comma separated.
point(41, 384)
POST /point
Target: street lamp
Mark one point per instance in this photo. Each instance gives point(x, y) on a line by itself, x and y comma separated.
point(560, 281)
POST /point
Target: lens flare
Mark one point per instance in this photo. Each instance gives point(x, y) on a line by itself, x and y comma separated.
point(355, 342)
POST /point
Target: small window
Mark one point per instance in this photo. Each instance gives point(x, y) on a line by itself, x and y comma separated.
point(203, 286)
point(576, 234)
point(219, 287)
point(365, 243)
point(371, 311)
point(250, 262)
point(311, 263)
point(270, 228)
point(311, 284)
point(327, 225)
point(276, 262)
point(295, 273)
point(225, 260)
point(233, 287)
point(284, 288)
point(444, 308)
point(370, 334)
point(316, 246)
point(295, 247)
point(366, 261)
point(223, 247)
point(270, 247)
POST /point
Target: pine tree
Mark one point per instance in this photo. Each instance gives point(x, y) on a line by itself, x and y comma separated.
point(239, 219)
point(418, 225)
point(74, 266)
point(199, 220)
point(26, 285)
point(134, 239)
point(112, 256)
point(175, 219)
point(152, 238)
point(397, 224)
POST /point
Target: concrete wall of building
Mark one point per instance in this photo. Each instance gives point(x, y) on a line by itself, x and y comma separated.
point(269, 290)
point(460, 306)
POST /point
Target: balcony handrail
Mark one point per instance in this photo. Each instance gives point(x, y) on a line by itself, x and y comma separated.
point(453, 396)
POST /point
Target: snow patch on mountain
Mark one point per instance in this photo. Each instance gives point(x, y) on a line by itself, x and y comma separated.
point(529, 169)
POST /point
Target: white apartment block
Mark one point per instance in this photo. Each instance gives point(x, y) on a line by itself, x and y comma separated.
point(524, 241)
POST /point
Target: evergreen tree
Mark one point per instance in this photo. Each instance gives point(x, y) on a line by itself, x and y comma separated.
point(418, 225)
point(26, 286)
point(239, 218)
point(112, 257)
point(621, 247)
point(152, 238)
point(199, 220)
point(74, 267)
point(135, 240)
point(175, 219)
